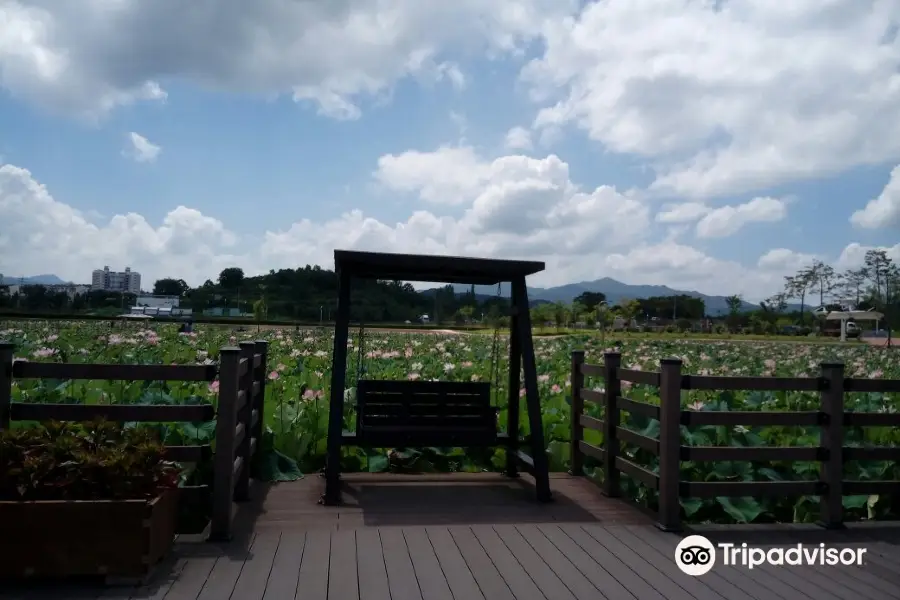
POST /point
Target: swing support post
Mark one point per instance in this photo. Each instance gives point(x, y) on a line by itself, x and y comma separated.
point(438, 413)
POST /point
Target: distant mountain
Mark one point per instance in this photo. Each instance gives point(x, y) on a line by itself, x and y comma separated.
point(614, 290)
point(34, 280)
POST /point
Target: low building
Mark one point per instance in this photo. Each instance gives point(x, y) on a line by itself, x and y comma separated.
point(158, 301)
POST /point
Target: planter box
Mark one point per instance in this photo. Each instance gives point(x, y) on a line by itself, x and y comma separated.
point(115, 538)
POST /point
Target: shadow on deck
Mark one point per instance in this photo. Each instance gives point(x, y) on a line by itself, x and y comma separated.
point(375, 500)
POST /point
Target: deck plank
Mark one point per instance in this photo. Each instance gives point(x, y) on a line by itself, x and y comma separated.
point(251, 583)
point(569, 575)
point(514, 574)
point(400, 572)
point(459, 577)
point(192, 578)
point(666, 543)
point(342, 576)
point(631, 579)
point(373, 580)
point(490, 581)
point(596, 573)
point(664, 586)
point(224, 575)
point(431, 578)
point(282, 583)
point(312, 581)
point(708, 586)
point(541, 573)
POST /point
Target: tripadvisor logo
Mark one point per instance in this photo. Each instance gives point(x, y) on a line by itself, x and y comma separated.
point(695, 555)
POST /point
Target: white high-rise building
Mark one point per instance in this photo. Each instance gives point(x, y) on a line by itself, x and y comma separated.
point(113, 281)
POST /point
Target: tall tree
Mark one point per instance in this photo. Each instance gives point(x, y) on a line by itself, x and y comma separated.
point(590, 300)
point(798, 286)
point(169, 286)
point(231, 278)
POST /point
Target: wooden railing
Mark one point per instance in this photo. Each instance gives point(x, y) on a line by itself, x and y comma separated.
point(831, 419)
point(239, 414)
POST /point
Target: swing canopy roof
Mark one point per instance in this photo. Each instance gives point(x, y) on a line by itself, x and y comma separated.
point(431, 268)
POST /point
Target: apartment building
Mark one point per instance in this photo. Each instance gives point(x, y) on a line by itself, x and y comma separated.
point(114, 281)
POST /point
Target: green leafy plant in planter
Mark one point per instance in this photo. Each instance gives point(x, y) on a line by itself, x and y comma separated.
point(92, 461)
point(85, 499)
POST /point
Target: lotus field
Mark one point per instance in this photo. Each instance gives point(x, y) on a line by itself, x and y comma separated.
point(297, 397)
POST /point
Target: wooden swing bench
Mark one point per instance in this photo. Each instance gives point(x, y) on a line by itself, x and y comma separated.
point(408, 414)
point(413, 413)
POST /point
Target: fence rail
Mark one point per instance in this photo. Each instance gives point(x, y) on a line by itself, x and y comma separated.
point(831, 418)
point(238, 413)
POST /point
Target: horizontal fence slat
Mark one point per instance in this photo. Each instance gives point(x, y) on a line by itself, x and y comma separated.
point(254, 418)
point(593, 396)
point(755, 453)
point(592, 451)
point(255, 389)
point(188, 454)
point(752, 418)
point(463, 388)
point(591, 370)
point(589, 422)
point(120, 413)
point(737, 489)
point(638, 473)
point(642, 441)
point(639, 377)
point(852, 384)
point(868, 488)
point(253, 444)
point(880, 453)
point(111, 372)
point(870, 419)
point(243, 367)
point(236, 466)
point(257, 360)
point(650, 411)
point(762, 384)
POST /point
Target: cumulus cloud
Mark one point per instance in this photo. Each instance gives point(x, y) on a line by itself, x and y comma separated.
point(686, 212)
point(883, 211)
point(727, 97)
point(91, 56)
point(519, 207)
point(140, 149)
point(728, 220)
point(42, 234)
point(518, 138)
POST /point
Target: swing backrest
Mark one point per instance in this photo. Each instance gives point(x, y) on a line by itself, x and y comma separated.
point(425, 413)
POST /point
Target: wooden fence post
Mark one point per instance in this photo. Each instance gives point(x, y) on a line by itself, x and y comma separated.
point(577, 381)
point(669, 518)
point(223, 460)
point(612, 390)
point(260, 375)
point(831, 438)
point(6, 363)
point(245, 418)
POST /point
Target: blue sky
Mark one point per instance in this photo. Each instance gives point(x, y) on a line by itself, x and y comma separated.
point(632, 109)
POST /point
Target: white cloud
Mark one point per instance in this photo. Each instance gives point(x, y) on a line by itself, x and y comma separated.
point(728, 220)
point(783, 259)
point(140, 149)
point(517, 207)
point(518, 138)
point(42, 235)
point(89, 57)
point(682, 213)
point(728, 97)
point(883, 211)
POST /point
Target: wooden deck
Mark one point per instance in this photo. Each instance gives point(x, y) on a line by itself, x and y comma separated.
point(482, 538)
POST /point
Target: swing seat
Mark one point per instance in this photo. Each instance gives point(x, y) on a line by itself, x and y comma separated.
point(400, 414)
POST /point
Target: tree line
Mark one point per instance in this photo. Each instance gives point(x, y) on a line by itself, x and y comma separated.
point(309, 294)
